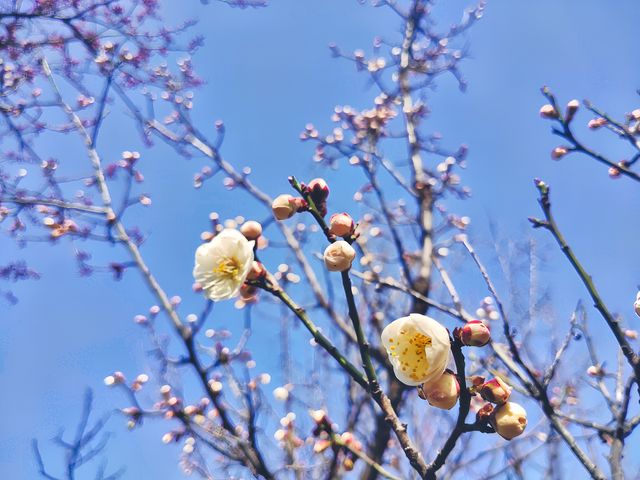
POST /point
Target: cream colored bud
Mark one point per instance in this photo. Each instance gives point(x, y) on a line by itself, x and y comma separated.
point(284, 206)
point(442, 392)
point(636, 305)
point(338, 256)
point(341, 224)
point(596, 123)
point(509, 420)
point(251, 230)
point(559, 152)
point(547, 111)
point(495, 391)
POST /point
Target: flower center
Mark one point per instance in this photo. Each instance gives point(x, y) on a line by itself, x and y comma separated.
point(409, 349)
point(229, 268)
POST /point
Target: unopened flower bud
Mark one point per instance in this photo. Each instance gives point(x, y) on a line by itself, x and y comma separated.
point(559, 152)
point(338, 256)
point(318, 189)
point(572, 108)
point(509, 420)
point(248, 292)
point(595, 371)
point(348, 464)
point(596, 123)
point(495, 391)
point(442, 392)
point(547, 111)
point(636, 305)
point(474, 334)
point(284, 206)
point(614, 172)
point(631, 334)
point(636, 114)
point(251, 230)
point(341, 224)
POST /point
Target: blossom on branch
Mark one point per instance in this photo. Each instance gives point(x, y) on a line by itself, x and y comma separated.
point(222, 265)
point(418, 348)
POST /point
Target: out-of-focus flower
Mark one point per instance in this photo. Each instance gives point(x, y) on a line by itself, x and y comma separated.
point(251, 229)
point(509, 420)
point(443, 392)
point(284, 206)
point(341, 224)
point(495, 391)
point(474, 334)
point(222, 265)
point(339, 256)
point(595, 371)
point(281, 393)
point(418, 348)
point(636, 304)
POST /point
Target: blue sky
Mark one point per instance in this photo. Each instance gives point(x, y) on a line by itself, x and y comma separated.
point(269, 73)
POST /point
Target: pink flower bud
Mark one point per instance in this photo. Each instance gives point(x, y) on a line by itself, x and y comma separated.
point(636, 114)
point(474, 334)
point(251, 230)
point(442, 392)
point(614, 172)
point(318, 189)
point(572, 107)
point(495, 391)
point(338, 256)
point(509, 420)
point(284, 206)
point(559, 152)
point(341, 224)
point(596, 123)
point(547, 111)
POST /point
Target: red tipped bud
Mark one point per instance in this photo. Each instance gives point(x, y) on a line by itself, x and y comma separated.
point(341, 225)
point(495, 391)
point(318, 189)
point(251, 230)
point(442, 392)
point(474, 334)
point(509, 420)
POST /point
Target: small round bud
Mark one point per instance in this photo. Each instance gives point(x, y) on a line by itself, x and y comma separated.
point(284, 206)
point(636, 114)
point(341, 224)
point(636, 305)
point(547, 111)
point(338, 256)
point(595, 371)
point(509, 420)
point(318, 189)
point(251, 230)
point(495, 391)
point(474, 334)
point(572, 108)
point(614, 172)
point(559, 152)
point(442, 392)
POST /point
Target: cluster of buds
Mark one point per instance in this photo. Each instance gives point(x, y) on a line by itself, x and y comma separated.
point(59, 229)
point(325, 438)
point(287, 435)
point(507, 418)
point(475, 333)
point(442, 392)
point(487, 309)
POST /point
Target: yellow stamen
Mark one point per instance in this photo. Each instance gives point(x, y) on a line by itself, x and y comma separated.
point(228, 267)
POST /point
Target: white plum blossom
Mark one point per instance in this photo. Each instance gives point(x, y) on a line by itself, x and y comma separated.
point(418, 348)
point(222, 265)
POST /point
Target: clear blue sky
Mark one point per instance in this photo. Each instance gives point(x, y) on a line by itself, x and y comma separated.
point(268, 73)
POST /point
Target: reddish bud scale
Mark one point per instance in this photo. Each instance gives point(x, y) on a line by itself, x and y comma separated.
point(474, 334)
point(495, 391)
